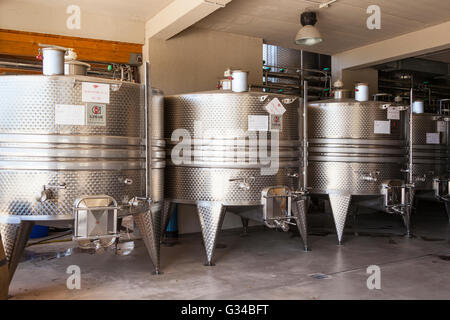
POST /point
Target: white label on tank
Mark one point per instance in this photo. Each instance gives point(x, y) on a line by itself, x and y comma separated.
point(382, 127)
point(441, 126)
point(276, 122)
point(433, 138)
point(275, 107)
point(70, 115)
point(96, 114)
point(258, 123)
point(393, 113)
point(95, 92)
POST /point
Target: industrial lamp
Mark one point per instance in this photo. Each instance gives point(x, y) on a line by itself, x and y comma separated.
point(308, 34)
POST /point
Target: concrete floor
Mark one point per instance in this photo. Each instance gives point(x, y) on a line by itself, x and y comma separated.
point(263, 265)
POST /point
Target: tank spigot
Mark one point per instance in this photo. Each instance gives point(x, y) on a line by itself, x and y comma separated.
point(282, 225)
point(371, 177)
point(46, 194)
point(244, 183)
point(421, 179)
point(126, 181)
point(137, 202)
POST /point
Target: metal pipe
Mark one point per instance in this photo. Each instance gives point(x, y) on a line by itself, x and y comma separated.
point(410, 173)
point(148, 132)
point(302, 72)
point(214, 3)
point(18, 64)
point(298, 70)
point(305, 135)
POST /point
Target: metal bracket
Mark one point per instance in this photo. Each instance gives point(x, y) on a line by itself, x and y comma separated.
point(116, 86)
point(388, 105)
point(288, 100)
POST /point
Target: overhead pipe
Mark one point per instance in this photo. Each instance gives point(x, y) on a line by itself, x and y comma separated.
point(214, 3)
point(19, 64)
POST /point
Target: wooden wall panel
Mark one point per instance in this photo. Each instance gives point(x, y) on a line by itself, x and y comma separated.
point(25, 44)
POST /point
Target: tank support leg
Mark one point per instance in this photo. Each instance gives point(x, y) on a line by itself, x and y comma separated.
point(447, 209)
point(244, 227)
point(4, 274)
point(299, 212)
point(14, 238)
point(354, 211)
point(407, 221)
point(168, 210)
point(149, 225)
point(211, 217)
point(340, 205)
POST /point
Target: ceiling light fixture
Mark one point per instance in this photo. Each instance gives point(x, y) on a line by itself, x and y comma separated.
point(326, 5)
point(308, 33)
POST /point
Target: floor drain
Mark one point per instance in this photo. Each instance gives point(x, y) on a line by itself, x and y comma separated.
point(320, 276)
point(445, 258)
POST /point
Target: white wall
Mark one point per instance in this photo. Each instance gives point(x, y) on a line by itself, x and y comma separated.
point(22, 16)
point(367, 75)
point(196, 58)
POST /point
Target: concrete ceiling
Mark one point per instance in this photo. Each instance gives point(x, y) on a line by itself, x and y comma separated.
point(141, 10)
point(343, 25)
point(441, 56)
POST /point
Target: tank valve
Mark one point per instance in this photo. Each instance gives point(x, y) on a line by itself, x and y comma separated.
point(282, 225)
point(138, 202)
point(47, 194)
